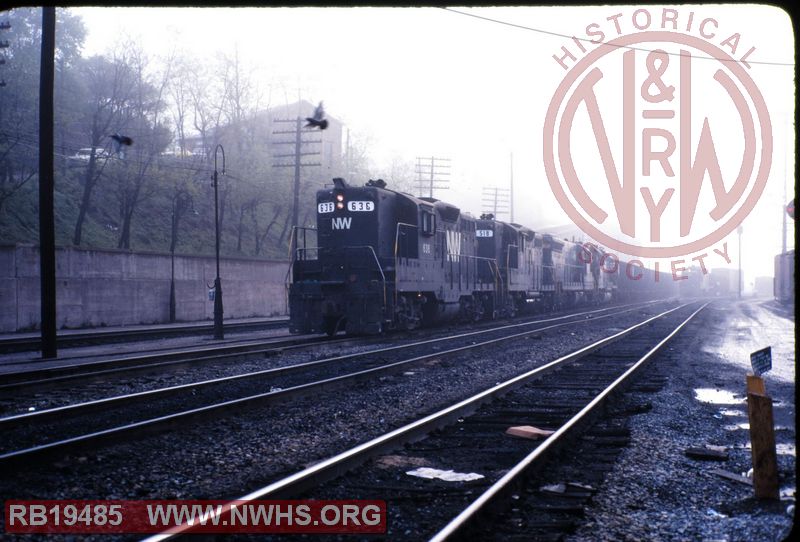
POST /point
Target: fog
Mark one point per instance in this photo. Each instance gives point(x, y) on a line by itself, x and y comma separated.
point(421, 82)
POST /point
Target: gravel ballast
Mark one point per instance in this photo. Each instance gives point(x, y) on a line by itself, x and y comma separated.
point(656, 492)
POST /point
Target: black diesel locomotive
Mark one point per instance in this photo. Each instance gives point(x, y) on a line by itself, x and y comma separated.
point(386, 260)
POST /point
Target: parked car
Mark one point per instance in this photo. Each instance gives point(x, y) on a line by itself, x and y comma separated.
point(84, 154)
point(176, 153)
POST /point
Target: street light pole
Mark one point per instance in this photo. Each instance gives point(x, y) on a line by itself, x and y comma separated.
point(218, 330)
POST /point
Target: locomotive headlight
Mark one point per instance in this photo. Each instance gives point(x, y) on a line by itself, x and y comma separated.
point(340, 205)
point(339, 197)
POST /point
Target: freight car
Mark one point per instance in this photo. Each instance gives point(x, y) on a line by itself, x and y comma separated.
point(387, 260)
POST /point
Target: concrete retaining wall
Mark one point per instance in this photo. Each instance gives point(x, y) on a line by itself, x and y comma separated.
point(110, 288)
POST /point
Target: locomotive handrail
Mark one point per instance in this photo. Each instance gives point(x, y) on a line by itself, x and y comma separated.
point(293, 237)
point(293, 257)
point(292, 242)
point(298, 250)
point(468, 256)
point(371, 249)
point(397, 238)
point(495, 271)
point(569, 268)
point(396, 246)
point(508, 265)
point(553, 277)
point(493, 268)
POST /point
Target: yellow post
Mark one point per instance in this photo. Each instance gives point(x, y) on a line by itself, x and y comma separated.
point(755, 384)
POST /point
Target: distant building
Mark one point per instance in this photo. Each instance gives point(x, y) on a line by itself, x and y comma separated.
point(763, 286)
point(784, 277)
point(723, 281)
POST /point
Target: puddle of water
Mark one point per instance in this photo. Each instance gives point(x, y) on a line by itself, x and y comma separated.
point(787, 493)
point(745, 425)
point(737, 426)
point(729, 412)
point(716, 397)
point(781, 448)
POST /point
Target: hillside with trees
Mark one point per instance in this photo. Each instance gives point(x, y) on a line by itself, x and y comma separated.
point(157, 194)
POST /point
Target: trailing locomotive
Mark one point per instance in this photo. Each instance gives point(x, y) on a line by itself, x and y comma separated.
point(387, 260)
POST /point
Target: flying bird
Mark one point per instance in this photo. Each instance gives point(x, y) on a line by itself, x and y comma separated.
point(318, 119)
point(122, 140)
point(119, 141)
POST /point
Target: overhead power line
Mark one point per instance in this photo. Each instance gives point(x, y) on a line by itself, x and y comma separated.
point(587, 40)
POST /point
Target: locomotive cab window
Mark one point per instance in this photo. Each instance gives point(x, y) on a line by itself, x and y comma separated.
point(428, 223)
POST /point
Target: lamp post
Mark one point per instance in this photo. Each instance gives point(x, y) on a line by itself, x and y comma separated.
point(218, 331)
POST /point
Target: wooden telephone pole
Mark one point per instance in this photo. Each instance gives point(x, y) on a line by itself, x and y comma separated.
point(47, 235)
point(496, 200)
point(432, 175)
point(297, 157)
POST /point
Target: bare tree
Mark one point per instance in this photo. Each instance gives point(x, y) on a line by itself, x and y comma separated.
point(208, 95)
point(245, 143)
point(11, 180)
point(151, 136)
point(261, 236)
point(109, 85)
point(180, 97)
point(399, 174)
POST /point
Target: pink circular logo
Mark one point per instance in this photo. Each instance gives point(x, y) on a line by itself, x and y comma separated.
point(654, 149)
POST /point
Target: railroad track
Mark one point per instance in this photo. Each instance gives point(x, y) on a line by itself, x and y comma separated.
point(30, 342)
point(563, 395)
point(159, 358)
point(172, 357)
point(78, 426)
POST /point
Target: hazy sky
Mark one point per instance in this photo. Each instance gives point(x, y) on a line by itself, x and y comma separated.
point(430, 82)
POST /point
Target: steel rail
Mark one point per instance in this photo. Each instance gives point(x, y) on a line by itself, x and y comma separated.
point(9, 422)
point(223, 408)
point(457, 525)
point(337, 465)
point(104, 336)
point(65, 373)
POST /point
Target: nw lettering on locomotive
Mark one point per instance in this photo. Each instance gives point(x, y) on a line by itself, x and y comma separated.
point(453, 245)
point(341, 223)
